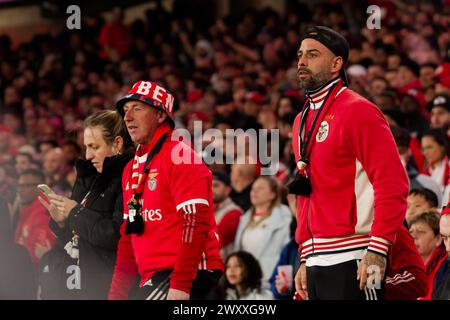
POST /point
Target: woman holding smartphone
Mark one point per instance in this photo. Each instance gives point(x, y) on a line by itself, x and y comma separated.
point(87, 224)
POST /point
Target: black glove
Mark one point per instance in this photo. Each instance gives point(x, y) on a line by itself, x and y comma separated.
point(301, 185)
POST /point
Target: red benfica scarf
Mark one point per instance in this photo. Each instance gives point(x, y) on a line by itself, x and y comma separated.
point(138, 179)
point(307, 135)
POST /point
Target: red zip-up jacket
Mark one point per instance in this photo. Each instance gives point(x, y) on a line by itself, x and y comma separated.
point(180, 231)
point(33, 231)
point(406, 278)
point(359, 186)
point(432, 266)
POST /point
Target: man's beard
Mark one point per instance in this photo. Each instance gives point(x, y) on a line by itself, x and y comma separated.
point(314, 81)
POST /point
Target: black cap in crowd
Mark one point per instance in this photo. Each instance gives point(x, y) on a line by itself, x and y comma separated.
point(224, 98)
point(441, 100)
point(222, 176)
point(333, 41)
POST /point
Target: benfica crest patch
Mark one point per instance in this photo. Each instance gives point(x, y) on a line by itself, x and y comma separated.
point(322, 132)
point(152, 181)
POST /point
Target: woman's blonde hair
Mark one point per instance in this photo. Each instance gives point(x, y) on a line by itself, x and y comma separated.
point(112, 125)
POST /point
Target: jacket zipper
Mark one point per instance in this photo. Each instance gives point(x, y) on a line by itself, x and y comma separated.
point(308, 221)
point(309, 226)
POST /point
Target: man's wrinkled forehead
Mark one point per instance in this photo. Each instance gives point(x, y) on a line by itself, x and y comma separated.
point(135, 103)
point(312, 45)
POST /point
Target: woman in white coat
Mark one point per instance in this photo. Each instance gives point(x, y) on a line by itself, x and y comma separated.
point(264, 229)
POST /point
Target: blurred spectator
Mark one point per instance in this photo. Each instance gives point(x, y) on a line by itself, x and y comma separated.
point(32, 229)
point(227, 213)
point(427, 75)
point(114, 37)
point(386, 100)
point(264, 228)
point(435, 149)
point(357, 75)
point(225, 110)
point(46, 145)
point(377, 86)
point(440, 112)
point(24, 161)
point(415, 122)
point(420, 200)
point(267, 119)
point(7, 150)
point(285, 126)
point(251, 109)
point(13, 119)
point(11, 96)
point(406, 278)
point(8, 184)
point(242, 177)
point(408, 75)
point(242, 279)
point(71, 152)
point(394, 117)
point(441, 289)
point(282, 287)
point(17, 276)
point(287, 105)
point(409, 155)
point(197, 118)
point(424, 228)
point(55, 171)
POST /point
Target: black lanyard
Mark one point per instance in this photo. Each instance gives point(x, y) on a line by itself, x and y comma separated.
point(309, 134)
point(151, 155)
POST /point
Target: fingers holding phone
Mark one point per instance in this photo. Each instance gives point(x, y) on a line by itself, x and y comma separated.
point(55, 214)
point(45, 189)
point(63, 204)
point(58, 206)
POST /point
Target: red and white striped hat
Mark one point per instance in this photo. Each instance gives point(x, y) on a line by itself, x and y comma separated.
point(152, 94)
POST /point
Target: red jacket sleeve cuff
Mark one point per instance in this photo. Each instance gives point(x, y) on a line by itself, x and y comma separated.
point(379, 246)
point(302, 256)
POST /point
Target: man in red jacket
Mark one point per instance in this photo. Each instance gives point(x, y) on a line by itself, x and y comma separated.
point(169, 235)
point(227, 213)
point(350, 183)
point(441, 285)
point(424, 228)
point(406, 277)
point(32, 229)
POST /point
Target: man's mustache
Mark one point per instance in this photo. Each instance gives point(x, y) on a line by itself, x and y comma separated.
point(303, 70)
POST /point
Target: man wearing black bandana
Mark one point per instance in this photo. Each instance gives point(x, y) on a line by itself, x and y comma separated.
point(350, 182)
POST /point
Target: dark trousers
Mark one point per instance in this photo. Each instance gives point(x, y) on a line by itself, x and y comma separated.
point(157, 287)
point(338, 282)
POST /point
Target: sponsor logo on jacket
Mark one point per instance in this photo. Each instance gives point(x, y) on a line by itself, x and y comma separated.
point(151, 215)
